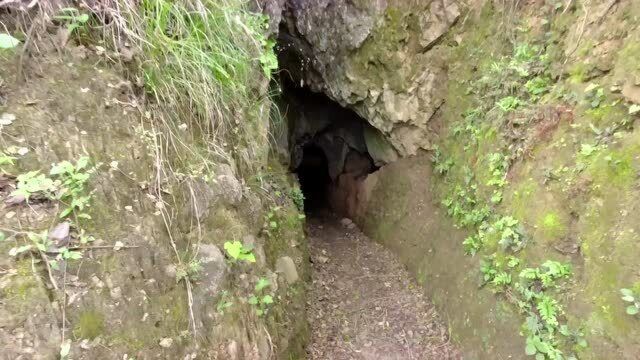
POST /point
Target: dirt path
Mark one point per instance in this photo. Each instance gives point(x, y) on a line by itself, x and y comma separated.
point(364, 305)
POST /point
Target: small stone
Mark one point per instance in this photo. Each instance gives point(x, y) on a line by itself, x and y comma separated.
point(287, 267)
point(346, 222)
point(60, 232)
point(7, 119)
point(166, 342)
point(118, 245)
point(232, 350)
point(97, 282)
point(115, 293)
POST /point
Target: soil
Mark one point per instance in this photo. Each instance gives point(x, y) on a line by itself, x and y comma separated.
point(364, 304)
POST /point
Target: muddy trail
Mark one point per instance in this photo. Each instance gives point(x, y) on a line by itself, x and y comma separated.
point(364, 304)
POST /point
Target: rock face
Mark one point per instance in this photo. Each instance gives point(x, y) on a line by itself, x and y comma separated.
point(373, 57)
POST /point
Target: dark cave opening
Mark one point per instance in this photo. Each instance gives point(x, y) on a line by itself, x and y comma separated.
point(313, 175)
point(331, 148)
point(328, 150)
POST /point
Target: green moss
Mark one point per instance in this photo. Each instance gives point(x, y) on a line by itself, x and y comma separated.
point(228, 223)
point(606, 115)
point(89, 325)
point(523, 194)
point(579, 73)
point(612, 167)
point(377, 53)
point(23, 285)
point(553, 226)
point(628, 58)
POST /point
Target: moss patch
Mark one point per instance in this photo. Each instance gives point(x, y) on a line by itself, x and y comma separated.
point(553, 226)
point(89, 325)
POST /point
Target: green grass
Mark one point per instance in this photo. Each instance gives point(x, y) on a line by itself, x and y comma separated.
point(202, 62)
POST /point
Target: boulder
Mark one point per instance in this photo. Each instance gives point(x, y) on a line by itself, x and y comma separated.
point(287, 268)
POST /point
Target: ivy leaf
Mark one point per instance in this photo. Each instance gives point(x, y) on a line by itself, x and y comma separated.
point(267, 299)
point(233, 249)
point(632, 309)
point(7, 41)
point(253, 300)
point(247, 257)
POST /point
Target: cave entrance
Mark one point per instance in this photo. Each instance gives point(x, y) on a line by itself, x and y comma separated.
point(315, 182)
point(328, 149)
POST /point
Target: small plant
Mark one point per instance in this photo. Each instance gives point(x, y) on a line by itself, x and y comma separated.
point(72, 18)
point(509, 103)
point(33, 183)
point(440, 164)
point(6, 159)
point(223, 302)
point(272, 222)
point(498, 165)
point(537, 86)
point(594, 95)
point(73, 179)
point(259, 300)
point(188, 271)
point(297, 197)
point(587, 150)
point(631, 297)
point(40, 242)
point(238, 252)
point(67, 184)
point(511, 235)
point(472, 244)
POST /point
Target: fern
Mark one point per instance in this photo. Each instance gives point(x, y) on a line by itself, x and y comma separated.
point(548, 310)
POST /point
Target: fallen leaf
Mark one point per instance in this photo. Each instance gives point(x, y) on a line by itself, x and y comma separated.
point(15, 199)
point(118, 245)
point(166, 342)
point(7, 41)
point(7, 119)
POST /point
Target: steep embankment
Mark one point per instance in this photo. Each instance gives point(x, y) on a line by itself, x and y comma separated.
point(142, 216)
point(529, 112)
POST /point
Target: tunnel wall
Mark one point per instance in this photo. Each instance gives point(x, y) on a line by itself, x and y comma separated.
point(398, 208)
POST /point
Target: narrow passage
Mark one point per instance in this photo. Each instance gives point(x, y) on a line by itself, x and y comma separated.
point(363, 304)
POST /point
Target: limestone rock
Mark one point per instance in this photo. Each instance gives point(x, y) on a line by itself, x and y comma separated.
point(631, 92)
point(287, 267)
point(214, 267)
point(373, 57)
point(381, 151)
point(228, 187)
point(346, 222)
